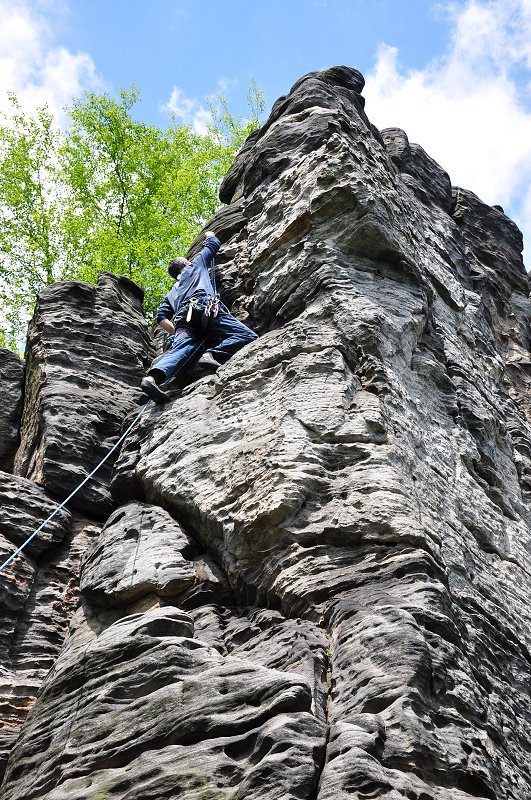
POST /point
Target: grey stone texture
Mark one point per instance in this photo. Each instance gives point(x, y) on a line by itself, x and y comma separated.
point(315, 580)
point(142, 551)
point(11, 381)
point(38, 595)
point(87, 349)
point(158, 714)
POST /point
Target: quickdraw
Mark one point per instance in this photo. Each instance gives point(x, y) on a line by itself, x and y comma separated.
point(212, 306)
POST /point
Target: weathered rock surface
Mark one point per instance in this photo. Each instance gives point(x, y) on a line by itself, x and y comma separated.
point(38, 595)
point(142, 551)
point(87, 349)
point(426, 179)
point(316, 582)
point(11, 381)
point(144, 685)
point(82, 379)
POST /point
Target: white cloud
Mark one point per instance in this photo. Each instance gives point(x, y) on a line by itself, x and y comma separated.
point(470, 109)
point(224, 84)
point(189, 110)
point(32, 66)
point(192, 112)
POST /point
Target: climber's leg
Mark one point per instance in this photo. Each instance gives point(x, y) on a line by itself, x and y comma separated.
point(185, 351)
point(232, 335)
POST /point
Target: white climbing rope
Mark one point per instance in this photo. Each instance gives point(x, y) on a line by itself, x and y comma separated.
point(76, 490)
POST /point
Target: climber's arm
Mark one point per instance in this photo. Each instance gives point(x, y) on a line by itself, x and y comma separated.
point(211, 246)
point(164, 316)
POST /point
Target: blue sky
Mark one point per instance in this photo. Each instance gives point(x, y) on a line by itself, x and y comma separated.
point(195, 45)
point(455, 75)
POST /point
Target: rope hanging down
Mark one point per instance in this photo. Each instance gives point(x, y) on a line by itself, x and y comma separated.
point(63, 504)
point(104, 459)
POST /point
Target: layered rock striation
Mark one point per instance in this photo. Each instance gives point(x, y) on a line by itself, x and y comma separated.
point(313, 575)
point(11, 380)
point(87, 348)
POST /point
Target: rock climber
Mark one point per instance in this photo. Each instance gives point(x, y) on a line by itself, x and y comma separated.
point(200, 327)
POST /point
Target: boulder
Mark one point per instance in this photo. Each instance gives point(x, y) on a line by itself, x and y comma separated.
point(162, 712)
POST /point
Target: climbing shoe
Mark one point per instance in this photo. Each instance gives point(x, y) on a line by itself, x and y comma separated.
point(208, 361)
point(149, 387)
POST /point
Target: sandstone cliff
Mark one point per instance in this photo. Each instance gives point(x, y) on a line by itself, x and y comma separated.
point(307, 575)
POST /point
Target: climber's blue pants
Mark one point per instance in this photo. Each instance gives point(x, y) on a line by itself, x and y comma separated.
point(224, 336)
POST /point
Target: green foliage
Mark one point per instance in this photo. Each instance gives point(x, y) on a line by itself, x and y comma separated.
point(109, 194)
point(29, 213)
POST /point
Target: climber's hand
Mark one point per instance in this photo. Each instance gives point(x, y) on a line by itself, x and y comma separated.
point(167, 326)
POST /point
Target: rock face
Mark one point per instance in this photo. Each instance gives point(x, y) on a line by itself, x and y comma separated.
point(11, 379)
point(314, 583)
point(38, 595)
point(87, 346)
point(81, 380)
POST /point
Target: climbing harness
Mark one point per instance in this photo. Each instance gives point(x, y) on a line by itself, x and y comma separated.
point(76, 490)
point(200, 309)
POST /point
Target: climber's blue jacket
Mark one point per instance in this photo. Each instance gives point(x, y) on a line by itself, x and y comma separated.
point(193, 281)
